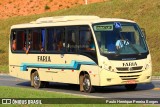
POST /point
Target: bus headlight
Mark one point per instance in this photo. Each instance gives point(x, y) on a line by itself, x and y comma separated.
point(108, 68)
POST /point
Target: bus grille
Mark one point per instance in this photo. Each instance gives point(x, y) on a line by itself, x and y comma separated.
point(130, 71)
point(127, 68)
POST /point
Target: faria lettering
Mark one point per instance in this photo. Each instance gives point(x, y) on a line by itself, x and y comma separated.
point(44, 59)
point(130, 64)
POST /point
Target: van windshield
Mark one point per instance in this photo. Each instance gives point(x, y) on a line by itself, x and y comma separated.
point(119, 38)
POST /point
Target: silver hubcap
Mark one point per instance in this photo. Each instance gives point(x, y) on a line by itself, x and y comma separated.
point(86, 84)
point(36, 79)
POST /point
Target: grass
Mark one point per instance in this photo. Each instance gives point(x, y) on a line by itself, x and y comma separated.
point(4, 69)
point(144, 12)
point(15, 92)
point(156, 73)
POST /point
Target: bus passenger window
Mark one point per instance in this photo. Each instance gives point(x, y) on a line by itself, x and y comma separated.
point(20, 42)
point(50, 40)
point(86, 43)
point(42, 41)
point(71, 42)
point(14, 44)
point(34, 41)
point(55, 40)
point(28, 44)
point(86, 40)
point(60, 39)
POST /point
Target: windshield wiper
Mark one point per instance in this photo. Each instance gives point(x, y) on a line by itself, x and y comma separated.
point(136, 50)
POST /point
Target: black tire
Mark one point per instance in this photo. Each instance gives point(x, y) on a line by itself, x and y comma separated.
point(87, 86)
point(130, 87)
point(36, 80)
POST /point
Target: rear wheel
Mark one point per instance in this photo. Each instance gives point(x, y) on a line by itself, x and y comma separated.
point(36, 80)
point(87, 86)
point(130, 86)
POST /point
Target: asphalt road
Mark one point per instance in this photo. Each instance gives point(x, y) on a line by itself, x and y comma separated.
point(151, 90)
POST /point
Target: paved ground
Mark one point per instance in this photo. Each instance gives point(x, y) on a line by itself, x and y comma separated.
point(151, 90)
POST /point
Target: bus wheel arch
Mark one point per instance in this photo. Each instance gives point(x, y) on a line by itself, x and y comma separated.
point(85, 82)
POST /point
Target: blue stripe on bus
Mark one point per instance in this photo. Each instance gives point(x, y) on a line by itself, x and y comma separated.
point(73, 65)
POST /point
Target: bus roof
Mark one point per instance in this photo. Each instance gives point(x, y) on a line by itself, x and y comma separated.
point(67, 21)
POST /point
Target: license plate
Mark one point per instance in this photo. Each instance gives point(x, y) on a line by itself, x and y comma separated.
point(131, 82)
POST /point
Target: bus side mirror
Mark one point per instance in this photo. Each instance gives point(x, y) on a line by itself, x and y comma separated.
point(144, 32)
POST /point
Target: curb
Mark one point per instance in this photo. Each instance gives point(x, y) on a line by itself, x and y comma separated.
point(4, 73)
point(155, 77)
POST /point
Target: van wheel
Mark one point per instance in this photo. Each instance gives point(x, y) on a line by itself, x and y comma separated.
point(87, 86)
point(36, 80)
point(130, 87)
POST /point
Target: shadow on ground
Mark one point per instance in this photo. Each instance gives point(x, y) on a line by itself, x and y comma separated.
point(62, 87)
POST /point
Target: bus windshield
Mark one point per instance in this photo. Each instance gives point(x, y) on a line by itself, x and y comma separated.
point(119, 38)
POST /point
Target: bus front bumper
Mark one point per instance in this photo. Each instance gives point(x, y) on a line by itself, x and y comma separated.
point(108, 78)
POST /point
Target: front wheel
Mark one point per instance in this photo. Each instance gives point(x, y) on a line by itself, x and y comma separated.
point(87, 84)
point(130, 86)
